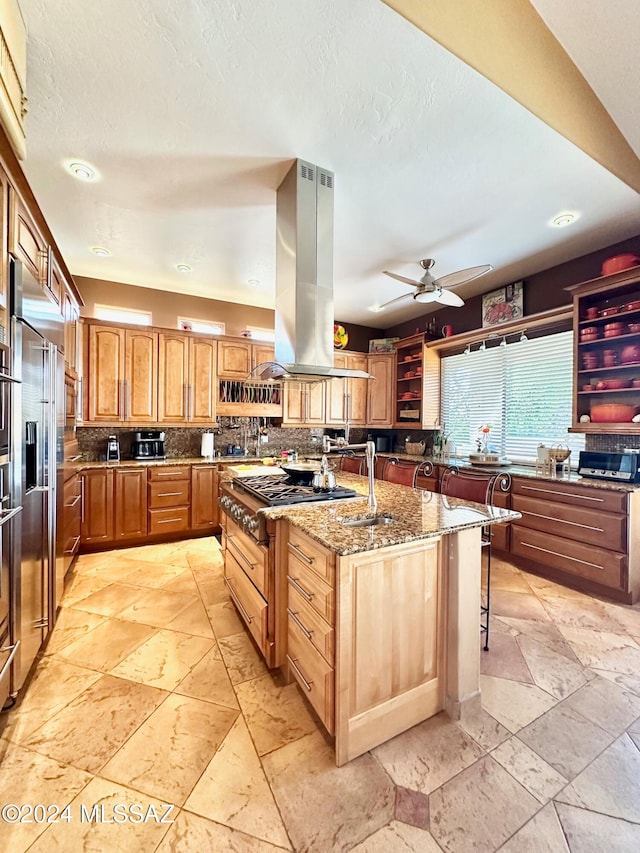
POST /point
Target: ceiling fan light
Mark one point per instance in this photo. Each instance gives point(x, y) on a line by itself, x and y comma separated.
point(426, 295)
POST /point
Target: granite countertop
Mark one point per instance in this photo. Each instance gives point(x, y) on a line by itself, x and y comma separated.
point(174, 460)
point(418, 515)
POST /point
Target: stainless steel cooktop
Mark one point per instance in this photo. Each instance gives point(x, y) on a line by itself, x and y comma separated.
point(277, 490)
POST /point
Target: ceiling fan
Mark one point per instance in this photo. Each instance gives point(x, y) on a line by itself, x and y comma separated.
point(430, 289)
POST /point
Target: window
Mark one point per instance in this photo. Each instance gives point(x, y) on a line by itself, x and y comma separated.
point(122, 315)
point(207, 327)
point(262, 334)
point(523, 390)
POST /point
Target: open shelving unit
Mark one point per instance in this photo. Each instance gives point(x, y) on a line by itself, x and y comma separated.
point(409, 382)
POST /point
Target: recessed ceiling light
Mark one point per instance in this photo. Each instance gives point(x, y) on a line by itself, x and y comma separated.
point(253, 282)
point(82, 171)
point(564, 219)
point(375, 308)
point(184, 268)
point(100, 251)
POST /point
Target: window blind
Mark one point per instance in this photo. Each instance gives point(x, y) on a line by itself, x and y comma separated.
point(522, 390)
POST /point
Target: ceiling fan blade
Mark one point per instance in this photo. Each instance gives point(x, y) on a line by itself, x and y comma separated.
point(402, 278)
point(397, 299)
point(463, 276)
point(448, 297)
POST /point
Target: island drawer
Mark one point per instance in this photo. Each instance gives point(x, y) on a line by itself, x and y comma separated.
point(171, 520)
point(310, 553)
point(315, 592)
point(251, 605)
point(313, 674)
point(589, 497)
point(250, 560)
point(576, 558)
point(606, 530)
point(168, 493)
point(303, 618)
point(169, 472)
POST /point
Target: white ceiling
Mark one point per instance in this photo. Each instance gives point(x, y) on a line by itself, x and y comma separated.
point(193, 112)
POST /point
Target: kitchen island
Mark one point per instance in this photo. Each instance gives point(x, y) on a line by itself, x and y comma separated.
point(381, 624)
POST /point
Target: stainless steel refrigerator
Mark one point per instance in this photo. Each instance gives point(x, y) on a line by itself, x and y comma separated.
point(36, 331)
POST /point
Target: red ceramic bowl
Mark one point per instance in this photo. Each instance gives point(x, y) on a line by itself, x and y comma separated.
point(630, 354)
point(616, 384)
point(612, 413)
point(618, 263)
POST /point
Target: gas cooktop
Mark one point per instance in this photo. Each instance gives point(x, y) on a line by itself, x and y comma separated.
point(277, 490)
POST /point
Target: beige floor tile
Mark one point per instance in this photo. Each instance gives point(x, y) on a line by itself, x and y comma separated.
point(193, 620)
point(233, 790)
point(607, 705)
point(184, 583)
point(54, 684)
point(565, 739)
point(87, 562)
point(110, 600)
point(275, 713)
point(29, 778)
point(514, 704)
point(194, 834)
point(504, 658)
point(485, 797)
point(604, 650)
point(157, 607)
point(628, 617)
point(545, 588)
point(505, 577)
point(484, 729)
point(517, 605)
point(152, 575)
point(208, 680)
point(70, 626)
point(429, 754)
point(545, 633)
point(167, 754)
point(224, 619)
point(164, 659)
point(241, 658)
point(213, 590)
point(96, 723)
point(543, 834)
point(132, 836)
point(80, 587)
point(626, 682)
point(551, 671)
point(107, 644)
point(526, 766)
point(398, 838)
point(117, 568)
point(611, 784)
point(582, 613)
point(589, 832)
point(324, 807)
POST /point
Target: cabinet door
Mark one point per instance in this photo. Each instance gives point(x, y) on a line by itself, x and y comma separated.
point(293, 411)
point(130, 502)
point(316, 396)
point(4, 266)
point(25, 241)
point(357, 391)
point(105, 376)
point(141, 376)
point(205, 512)
point(97, 506)
point(71, 314)
point(234, 359)
point(202, 380)
point(261, 352)
point(336, 395)
point(55, 280)
point(380, 390)
point(173, 373)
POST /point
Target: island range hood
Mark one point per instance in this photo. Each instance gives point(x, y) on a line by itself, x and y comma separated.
point(304, 280)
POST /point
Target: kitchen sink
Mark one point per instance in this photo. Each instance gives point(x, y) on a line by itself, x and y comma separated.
point(365, 520)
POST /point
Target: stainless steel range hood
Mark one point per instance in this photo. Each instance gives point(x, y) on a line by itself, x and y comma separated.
point(304, 280)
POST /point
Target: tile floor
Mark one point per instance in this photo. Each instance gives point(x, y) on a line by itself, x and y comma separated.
point(150, 693)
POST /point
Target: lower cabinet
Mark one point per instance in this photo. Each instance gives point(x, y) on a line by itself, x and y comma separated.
point(71, 519)
point(169, 499)
point(205, 512)
point(97, 506)
point(130, 503)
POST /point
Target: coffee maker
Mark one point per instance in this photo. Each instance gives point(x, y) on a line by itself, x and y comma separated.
point(113, 449)
point(148, 445)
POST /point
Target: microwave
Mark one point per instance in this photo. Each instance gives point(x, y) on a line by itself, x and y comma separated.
point(617, 467)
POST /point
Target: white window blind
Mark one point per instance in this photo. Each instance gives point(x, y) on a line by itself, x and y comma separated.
point(523, 390)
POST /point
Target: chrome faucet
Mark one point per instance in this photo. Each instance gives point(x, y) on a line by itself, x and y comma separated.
point(330, 445)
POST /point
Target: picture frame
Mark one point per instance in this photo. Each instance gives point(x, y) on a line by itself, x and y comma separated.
point(503, 305)
point(377, 345)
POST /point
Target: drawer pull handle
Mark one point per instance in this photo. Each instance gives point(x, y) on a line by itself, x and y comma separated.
point(175, 474)
point(296, 619)
point(565, 494)
point(234, 595)
point(169, 494)
point(303, 592)
point(240, 554)
point(307, 684)
point(301, 554)
point(71, 550)
point(73, 502)
point(563, 521)
point(564, 556)
point(167, 520)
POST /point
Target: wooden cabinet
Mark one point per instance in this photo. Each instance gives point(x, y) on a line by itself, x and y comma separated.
point(71, 519)
point(186, 378)
point(380, 391)
point(121, 375)
point(237, 398)
point(169, 499)
point(346, 399)
point(304, 404)
point(4, 258)
point(130, 503)
point(408, 382)
point(71, 314)
point(237, 358)
point(25, 240)
point(205, 512)
point(607, 353)
point(97, 506)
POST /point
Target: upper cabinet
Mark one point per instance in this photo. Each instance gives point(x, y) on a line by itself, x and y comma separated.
point(236, 359)
point(380, 402)
point(25, 240)
point(4, 238)
point(13, 74)
point(186, 378)
point(408, 382)
point(607, 353)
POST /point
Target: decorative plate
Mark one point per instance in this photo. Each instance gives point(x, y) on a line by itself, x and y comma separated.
point(340, 337)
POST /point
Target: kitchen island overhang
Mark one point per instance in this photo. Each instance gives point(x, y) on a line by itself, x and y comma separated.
point(406, 609)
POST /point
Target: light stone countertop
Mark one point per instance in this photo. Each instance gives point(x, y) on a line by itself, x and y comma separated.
point(417, 515)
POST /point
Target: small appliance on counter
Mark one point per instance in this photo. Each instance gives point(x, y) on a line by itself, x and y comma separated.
point(113, 449)
point(604, 465)
point(148, 445)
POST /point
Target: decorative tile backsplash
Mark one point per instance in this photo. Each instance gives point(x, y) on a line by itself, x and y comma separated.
point(612, 443)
